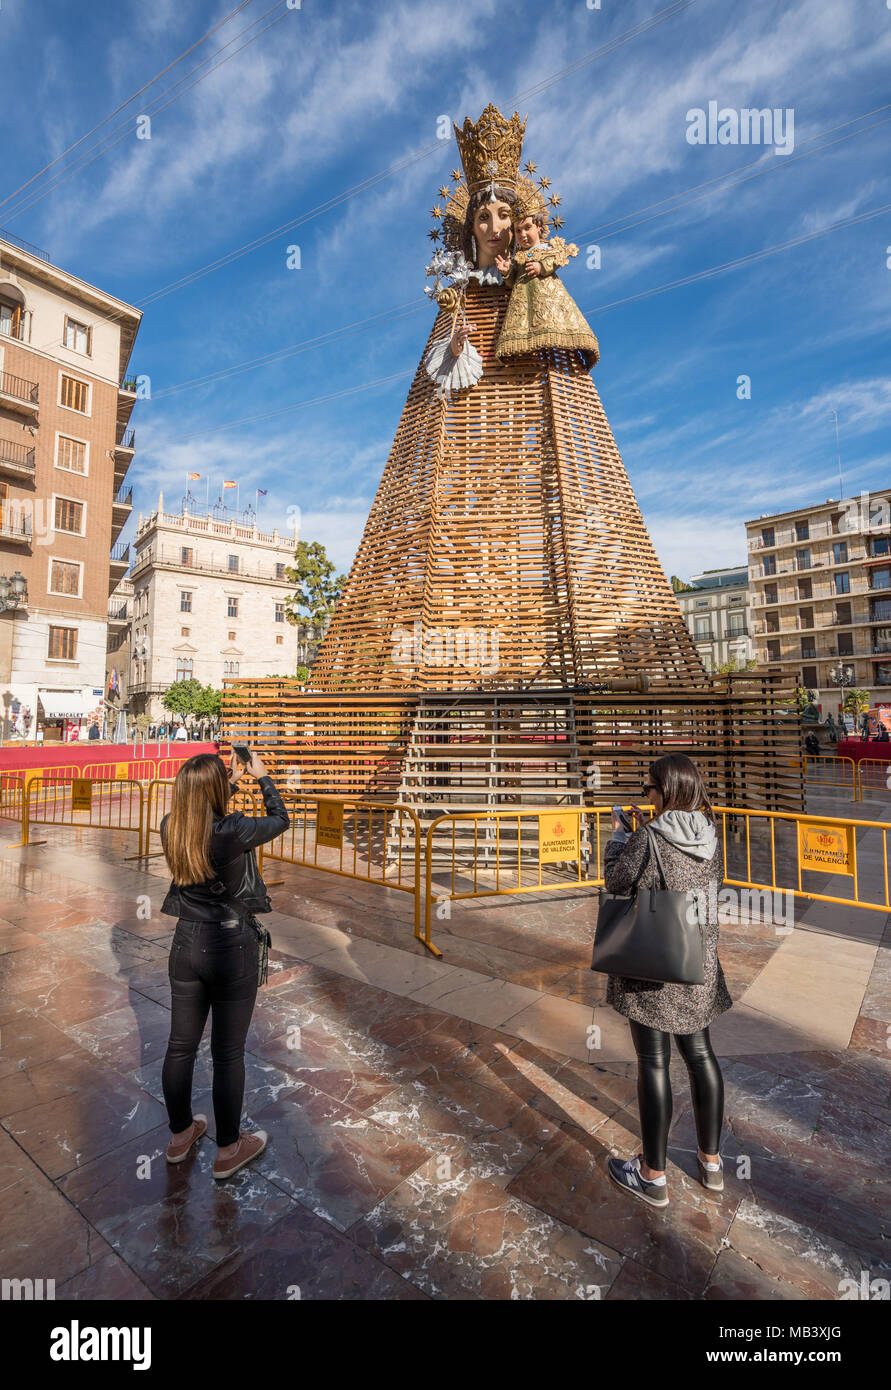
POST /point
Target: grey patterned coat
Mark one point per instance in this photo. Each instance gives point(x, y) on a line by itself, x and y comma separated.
point(672, 1008)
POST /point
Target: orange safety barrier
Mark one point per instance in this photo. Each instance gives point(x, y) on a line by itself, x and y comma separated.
point(831, 770)
point(346, 836)
point(875, 774)
point(117, 806)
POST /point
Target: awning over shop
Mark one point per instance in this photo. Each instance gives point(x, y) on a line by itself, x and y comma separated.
point(66, 704)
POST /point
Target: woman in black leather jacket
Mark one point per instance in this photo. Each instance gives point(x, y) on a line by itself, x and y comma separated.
point(215, 956)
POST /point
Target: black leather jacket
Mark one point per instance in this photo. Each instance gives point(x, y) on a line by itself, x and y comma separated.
point(231, 836)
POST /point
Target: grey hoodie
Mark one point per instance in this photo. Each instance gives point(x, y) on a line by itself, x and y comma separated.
point(690, 831)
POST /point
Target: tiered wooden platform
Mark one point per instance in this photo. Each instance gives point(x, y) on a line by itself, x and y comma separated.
point(464, 750)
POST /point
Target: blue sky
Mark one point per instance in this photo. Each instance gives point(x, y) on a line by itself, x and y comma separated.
point(338, 92)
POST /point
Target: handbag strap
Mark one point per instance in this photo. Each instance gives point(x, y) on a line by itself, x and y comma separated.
point(652, 838)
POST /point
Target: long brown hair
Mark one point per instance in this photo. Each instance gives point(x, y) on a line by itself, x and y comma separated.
point(200, 792)
point(680, 782)
point(475, 201)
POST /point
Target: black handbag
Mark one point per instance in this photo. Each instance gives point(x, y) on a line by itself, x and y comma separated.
point(653, 933)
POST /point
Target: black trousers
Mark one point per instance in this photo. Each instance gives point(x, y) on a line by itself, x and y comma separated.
point(653, 1050)
point(212, 968)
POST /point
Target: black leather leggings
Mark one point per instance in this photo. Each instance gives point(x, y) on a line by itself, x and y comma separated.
point(653, 1050)
point(212, 969)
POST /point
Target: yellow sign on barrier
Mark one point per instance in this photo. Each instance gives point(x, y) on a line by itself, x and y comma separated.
point(827, 848)
point(122, 770)
point(81, 794)
point(558, 837)
point(329, 825)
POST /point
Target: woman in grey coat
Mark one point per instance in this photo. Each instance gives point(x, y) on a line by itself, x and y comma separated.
point(693, 862)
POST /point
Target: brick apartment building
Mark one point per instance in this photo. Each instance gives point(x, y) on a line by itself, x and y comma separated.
point(820, 581)
point(65, 448)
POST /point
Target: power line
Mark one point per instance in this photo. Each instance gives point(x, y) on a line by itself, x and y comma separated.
point(107, 144)
point(372, 180)
point(300, 405)
point(725, 179)
point(125, 104)
point(403, 310)
point(280, 354)
point(740, 260)
point(603, 308)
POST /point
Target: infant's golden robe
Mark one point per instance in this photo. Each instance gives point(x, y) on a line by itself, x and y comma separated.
point(542, 313)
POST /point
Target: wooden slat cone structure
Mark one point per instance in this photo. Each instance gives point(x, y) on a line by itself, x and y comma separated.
point(505, 548)
point(507, 634)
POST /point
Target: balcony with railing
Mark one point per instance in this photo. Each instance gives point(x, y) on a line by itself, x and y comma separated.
point(19, 394)
point(123, 497)
point(23, 245)
point(14, 526)
point(118, 612)
point(126, 438)
point(120, 553)
point(17, 458)
point(171, 557)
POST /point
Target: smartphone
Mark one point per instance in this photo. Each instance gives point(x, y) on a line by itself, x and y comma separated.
point(243, 753)
point(624, 818)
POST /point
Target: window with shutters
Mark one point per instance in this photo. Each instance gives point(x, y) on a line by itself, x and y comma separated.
point(188, 556)
point(75, 395)
point(78, 336)
point(279, 612)
point(69, 516)
point(71, 454)
point(62, 644)
point(185, 601)
point(232, 608)
point(184, 668)
point(65, 577)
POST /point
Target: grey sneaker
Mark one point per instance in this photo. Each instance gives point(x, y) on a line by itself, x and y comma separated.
point(626, 1174)
point(711, 1175)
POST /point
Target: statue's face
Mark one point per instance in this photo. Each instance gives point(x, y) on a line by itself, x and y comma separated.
point(492, 229)
point(528, 233)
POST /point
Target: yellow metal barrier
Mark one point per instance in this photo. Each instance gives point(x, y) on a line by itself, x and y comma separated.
point(830, 770)
point(487, 866)
point(347, 827)
point(513, 867)
point(878, 775)
point(49, 801)
point(833, 839)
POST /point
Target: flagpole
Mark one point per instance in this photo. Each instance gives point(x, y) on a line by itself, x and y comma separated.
point(207, 494)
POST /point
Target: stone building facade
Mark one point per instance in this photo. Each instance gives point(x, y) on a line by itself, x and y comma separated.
point(208, 604)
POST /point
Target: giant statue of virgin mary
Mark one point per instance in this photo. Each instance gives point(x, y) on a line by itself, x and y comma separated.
point(505, 548)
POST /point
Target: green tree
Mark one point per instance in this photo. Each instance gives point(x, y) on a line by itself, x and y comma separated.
point(680, 586)
point(728, 668)
point(856, 701)
point(319, 587)
point(182, 697)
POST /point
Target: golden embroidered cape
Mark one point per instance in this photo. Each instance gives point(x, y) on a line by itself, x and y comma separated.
point(542, 312)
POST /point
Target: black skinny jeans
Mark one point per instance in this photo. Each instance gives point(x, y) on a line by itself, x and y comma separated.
point(653, 1050)
point(211, 968)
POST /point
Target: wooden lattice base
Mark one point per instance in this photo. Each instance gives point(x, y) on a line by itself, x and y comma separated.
point(534, 747)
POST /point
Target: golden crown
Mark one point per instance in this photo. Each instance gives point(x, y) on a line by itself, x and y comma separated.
point(490, 150)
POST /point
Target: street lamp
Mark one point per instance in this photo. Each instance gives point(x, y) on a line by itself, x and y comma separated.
point(13, 591)
point(842, 676)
